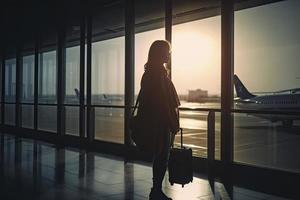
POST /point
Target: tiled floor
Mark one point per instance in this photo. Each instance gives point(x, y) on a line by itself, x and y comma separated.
point(36, 170)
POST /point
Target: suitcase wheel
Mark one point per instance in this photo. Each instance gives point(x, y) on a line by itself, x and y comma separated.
point(182, 185)
point(172, 184)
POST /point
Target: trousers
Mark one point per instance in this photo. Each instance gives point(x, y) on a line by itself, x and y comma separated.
point(161, 157)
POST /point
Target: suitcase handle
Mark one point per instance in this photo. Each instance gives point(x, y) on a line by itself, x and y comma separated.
point(181, 138)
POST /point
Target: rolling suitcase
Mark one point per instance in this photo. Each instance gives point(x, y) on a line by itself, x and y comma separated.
point(180, 164)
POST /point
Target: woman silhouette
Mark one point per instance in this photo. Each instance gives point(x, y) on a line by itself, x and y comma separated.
point(159, 102)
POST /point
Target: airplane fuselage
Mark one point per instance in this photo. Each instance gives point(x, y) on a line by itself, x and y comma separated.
point(284, 102)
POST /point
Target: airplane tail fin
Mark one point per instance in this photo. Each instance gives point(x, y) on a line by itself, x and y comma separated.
point(240, 89)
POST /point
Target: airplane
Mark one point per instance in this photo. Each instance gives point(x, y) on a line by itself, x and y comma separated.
point(280, 100)
point(103, 98)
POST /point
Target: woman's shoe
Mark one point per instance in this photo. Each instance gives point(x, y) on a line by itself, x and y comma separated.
point(158, 195)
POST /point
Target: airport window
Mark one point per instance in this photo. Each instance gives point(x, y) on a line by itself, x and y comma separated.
point(258, 51)
point(72, 75)
point(47, 114)
point(72, 69)
point(27, 91)
point(196, 71)
point(108, 72)
point(72, 92)
point(10, 91)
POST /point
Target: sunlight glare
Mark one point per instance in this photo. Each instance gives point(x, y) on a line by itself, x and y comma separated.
point(191, 50)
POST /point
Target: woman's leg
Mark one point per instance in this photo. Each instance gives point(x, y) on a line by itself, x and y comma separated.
point(160, 160)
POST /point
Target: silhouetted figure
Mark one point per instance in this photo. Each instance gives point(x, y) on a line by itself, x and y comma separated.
point(159, 102)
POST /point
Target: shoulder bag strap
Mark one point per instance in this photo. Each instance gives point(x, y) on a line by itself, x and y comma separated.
point(136, 103)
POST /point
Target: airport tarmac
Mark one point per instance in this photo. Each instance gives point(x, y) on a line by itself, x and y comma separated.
point(256, 141)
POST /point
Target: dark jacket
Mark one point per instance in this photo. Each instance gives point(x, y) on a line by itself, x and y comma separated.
point(159, 100)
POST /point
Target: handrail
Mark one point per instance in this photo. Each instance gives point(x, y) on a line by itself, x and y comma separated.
point(242, 111)
point(271, 112)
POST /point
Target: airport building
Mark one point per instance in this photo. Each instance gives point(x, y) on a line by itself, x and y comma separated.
point(70, 74)
point(197, 95)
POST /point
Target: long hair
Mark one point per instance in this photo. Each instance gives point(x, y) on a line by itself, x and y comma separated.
point(157, 52)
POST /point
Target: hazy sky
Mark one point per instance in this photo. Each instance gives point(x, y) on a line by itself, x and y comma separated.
point(267, 52)
point(267, 46)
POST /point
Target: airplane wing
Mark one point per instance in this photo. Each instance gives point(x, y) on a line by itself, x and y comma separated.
point(293, 90)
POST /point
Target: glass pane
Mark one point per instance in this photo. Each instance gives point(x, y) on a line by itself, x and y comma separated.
point(9, 115)
point(72, 75)
point(27, 89)
point(47, 118)
point(109, 124)
point(108, 65)
point(72, 120)
point(47, 77)
point(27, 116)
point(10, 80)
point(257, 141)
point(267, 78)
point(196, 62)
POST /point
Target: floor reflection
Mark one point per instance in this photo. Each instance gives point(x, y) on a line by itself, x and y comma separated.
point(36, 170)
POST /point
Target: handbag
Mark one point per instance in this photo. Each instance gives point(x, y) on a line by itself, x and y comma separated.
point(142, 132)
